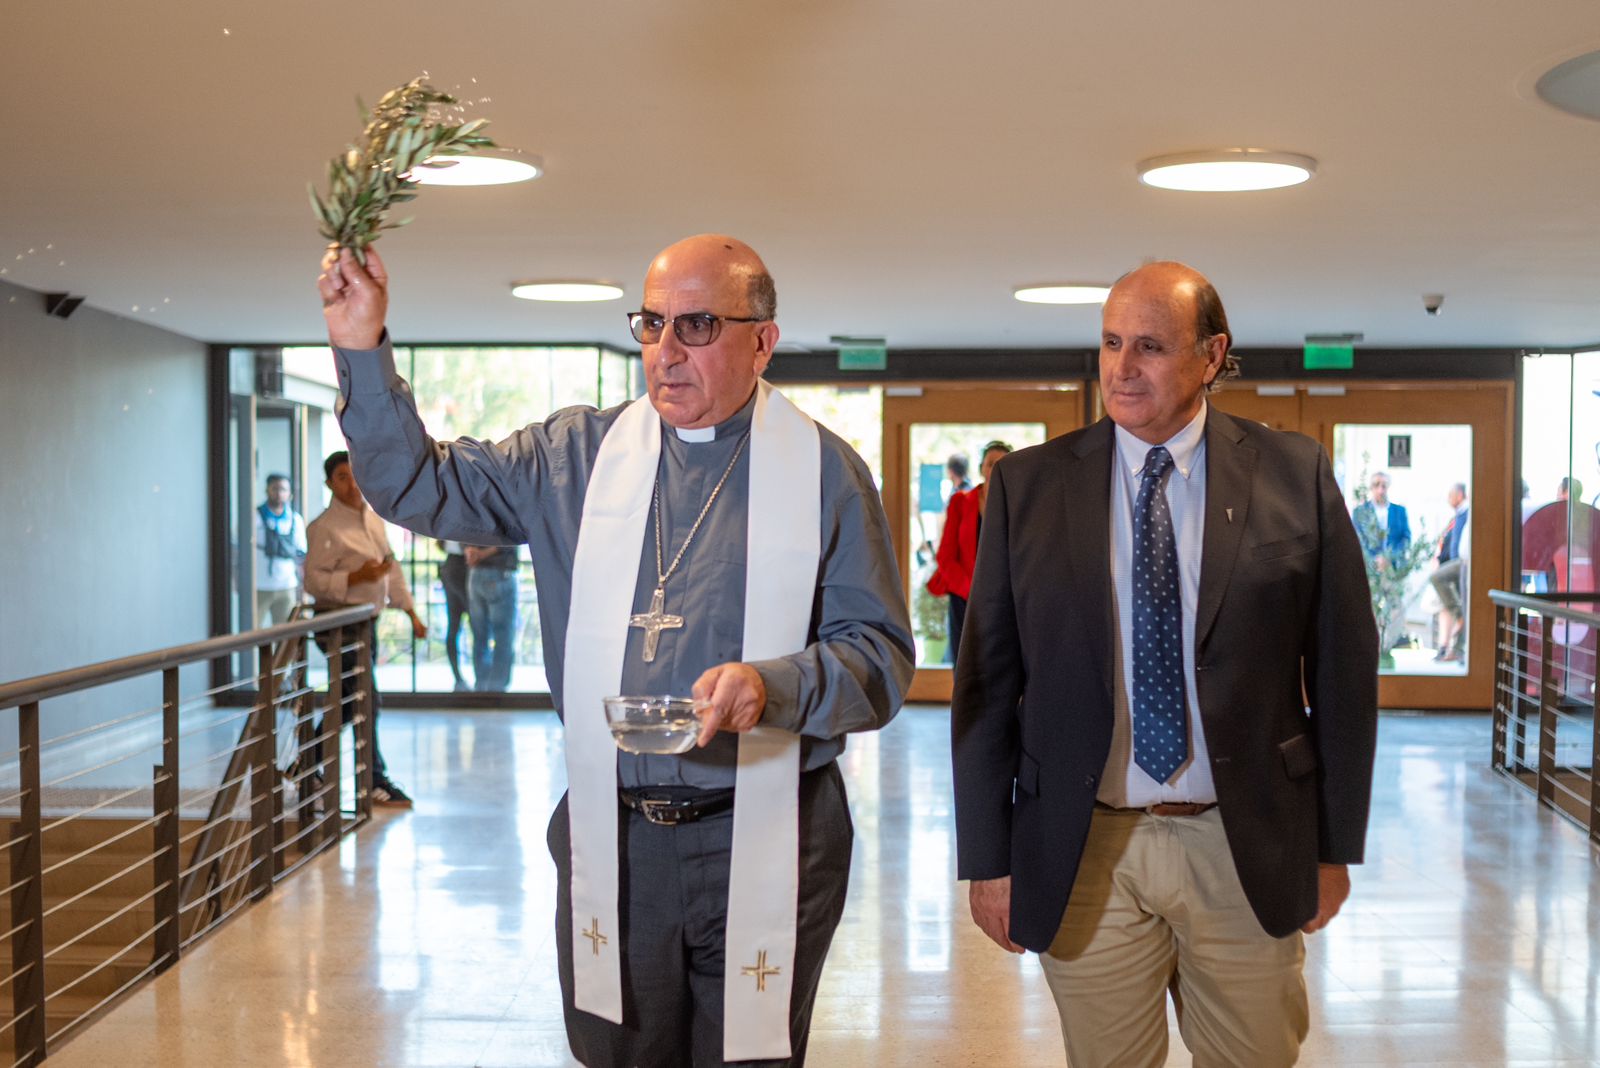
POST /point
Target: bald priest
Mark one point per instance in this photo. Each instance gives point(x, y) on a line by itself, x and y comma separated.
point(697, 893)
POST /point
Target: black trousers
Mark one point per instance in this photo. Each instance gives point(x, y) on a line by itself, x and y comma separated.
point(958, 619)
point(380, 770)
point(453, 577)
point(674, 905)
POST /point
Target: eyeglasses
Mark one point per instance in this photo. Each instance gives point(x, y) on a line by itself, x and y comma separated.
point(692, 328)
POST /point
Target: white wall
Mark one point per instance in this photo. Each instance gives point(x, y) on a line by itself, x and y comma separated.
point(103, 497)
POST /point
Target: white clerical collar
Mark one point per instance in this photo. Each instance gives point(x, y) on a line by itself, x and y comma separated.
point(1184, 446)
point(700, 433)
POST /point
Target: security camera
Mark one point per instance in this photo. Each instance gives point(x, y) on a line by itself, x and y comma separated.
point(1432, 302)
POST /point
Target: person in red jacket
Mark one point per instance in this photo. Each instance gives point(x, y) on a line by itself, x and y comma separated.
point(958, 545)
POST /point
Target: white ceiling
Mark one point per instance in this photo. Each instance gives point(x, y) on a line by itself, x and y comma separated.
point(901, 164)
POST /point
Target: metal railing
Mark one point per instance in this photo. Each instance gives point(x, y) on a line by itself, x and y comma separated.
point(111, 868)
point(1546, 733)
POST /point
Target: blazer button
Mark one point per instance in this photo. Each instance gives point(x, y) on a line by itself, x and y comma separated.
point(1091, 780)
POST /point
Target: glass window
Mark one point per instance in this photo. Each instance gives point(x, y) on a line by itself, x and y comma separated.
point(855, 413)
point(1409, 491)
point(946, 459)
point(480, 392)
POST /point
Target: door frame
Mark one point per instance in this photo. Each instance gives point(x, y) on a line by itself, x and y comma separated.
point(1060, 406)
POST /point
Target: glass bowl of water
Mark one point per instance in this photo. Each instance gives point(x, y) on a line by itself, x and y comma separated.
point(654, 724)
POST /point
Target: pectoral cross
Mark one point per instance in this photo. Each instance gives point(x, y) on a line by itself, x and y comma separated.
point(596, 939)
point(760, 971)
point(654, 622)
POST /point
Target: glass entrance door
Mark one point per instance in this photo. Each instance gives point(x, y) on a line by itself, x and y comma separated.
point(936, 440)
point(1424, 469)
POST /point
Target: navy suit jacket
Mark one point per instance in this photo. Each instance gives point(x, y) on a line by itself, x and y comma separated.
point(1283, 619)
point(1398, 538)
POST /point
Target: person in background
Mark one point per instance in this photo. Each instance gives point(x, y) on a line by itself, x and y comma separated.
point(1561, 541)
point(492, 597)
point(453, 577)
point(955, 469)
point(280, 536)
point(1384, 529)
point(958, 546)
point(349, 562)
point(1449, 579)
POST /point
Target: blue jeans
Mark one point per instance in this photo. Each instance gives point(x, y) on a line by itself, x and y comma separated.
point(492, 600)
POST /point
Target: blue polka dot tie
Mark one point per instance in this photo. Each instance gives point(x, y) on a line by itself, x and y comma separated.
point(1160, 731)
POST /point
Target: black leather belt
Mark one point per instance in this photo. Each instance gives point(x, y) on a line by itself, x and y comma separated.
point(1176, 808)
point(669, 810)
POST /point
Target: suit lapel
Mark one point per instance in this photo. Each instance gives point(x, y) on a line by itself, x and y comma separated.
point(1230, 468)
point(1086, 494)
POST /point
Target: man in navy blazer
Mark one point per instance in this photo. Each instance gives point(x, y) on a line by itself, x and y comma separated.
point(1383, 527)
point(1143, 796)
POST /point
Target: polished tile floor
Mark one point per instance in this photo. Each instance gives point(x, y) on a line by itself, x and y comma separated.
point(1473, 936)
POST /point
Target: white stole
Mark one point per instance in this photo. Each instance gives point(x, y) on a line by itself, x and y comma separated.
point(783, 550)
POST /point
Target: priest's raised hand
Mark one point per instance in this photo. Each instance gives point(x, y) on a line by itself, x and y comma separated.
point(355, 299)
point(736, 696)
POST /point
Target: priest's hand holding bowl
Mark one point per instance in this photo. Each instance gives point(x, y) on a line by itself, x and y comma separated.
point(735, 697)
point(355, 299)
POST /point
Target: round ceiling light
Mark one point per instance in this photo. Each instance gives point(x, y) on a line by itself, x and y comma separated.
point(491, 167)
point(1063, 293)
point(1227, 170)
point(566, 290)
point(1573, 86)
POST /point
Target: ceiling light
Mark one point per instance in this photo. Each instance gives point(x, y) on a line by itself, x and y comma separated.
point(490, 167)
point(1227, 170)
point(1573, 86)
point(568, 290)
point(1063, 293)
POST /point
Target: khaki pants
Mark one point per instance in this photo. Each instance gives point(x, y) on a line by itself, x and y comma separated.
point(274, 606)
point(1157, 907)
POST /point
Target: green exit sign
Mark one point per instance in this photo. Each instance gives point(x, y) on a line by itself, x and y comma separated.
point(1329, 357)
point(863, 357)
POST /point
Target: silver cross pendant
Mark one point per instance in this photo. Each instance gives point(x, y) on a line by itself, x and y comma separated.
point(654, 622)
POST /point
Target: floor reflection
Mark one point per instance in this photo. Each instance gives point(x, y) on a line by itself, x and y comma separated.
point(1472, 937)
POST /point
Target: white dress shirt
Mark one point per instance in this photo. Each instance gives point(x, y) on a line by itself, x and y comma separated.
point(1125, 784)
point(340, 540)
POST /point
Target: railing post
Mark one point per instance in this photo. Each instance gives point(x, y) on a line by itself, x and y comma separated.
point(305, 764)
point(27, 900)
point(168, 864)
point(263, 775)
point(1547, 714)
point(366, 724)
point(333, 740)
point(1504, 694)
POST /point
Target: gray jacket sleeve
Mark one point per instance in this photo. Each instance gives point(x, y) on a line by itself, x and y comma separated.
point(854, 674)
point(464, 490)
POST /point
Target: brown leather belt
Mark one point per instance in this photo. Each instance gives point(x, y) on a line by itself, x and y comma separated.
point(1176, 808)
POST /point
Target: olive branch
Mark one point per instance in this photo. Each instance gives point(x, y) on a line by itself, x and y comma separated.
point(407, 127)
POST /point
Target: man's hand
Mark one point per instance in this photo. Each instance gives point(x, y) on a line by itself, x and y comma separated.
point(371, 571)
point(1333, 886)
point(476, 555)
point(354, 299)
point(991, 910)
point(418, 627)
point(736, 697)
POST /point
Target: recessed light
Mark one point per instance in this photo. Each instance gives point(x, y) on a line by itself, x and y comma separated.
point(1227, 170)
point(567, 290)
point(1063, 293)
point(491, 167)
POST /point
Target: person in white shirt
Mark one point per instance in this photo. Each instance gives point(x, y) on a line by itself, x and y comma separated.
point(280, 537)
point(349, 562)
